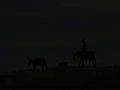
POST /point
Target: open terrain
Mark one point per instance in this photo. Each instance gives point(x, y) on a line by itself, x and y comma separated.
point(72, 79)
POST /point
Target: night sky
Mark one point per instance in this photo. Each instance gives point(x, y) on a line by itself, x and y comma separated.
point(55, 28)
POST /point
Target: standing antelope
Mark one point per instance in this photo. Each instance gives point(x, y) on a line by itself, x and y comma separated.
point(38, 62)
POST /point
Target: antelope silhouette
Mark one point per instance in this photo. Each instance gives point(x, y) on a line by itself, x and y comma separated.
point(38, 62)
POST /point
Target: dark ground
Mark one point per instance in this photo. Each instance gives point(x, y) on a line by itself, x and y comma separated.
point(102, 78)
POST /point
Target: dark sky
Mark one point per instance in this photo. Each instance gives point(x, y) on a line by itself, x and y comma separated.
point(55, 28)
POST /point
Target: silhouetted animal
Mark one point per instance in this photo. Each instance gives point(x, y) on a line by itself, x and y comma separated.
point(63, 65)
point(85, 56)
point(38, 62)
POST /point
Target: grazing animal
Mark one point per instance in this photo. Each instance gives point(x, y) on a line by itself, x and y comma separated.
point(63, 65)
point(85, 56)
point(38, 62)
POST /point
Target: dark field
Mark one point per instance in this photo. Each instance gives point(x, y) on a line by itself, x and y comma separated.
point(100, 78)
